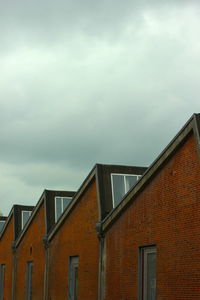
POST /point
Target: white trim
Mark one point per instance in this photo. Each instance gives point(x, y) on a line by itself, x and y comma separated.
point(29, 211)
point(125, 186)
point(146, 251)
point(62, 206)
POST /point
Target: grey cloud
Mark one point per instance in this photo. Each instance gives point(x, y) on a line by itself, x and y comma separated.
point(50, 21)
point(114, 91)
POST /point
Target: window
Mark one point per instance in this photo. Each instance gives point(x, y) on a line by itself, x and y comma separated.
point(29, 280)
point(148, 273)
point(60, 204)
point(1, 224)
point(121, 184)
point(73, 278)
point(25, 216)
point(2, 279)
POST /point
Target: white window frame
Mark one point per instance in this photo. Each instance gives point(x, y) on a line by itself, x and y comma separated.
point(2, 221)
point(143, 269)
point(62, 206)
point(29, 211)
point(125, 186)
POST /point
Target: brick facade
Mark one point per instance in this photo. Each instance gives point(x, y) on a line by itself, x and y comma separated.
point(76, 236)
point(166, 214)
point(107, 240)
point(31, 249)
point(6, 257)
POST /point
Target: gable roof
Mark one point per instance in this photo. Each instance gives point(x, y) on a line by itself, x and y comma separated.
point(16, 213)
point(192, 126)
point(100, 172)
point(74, 201)
point(49, 221)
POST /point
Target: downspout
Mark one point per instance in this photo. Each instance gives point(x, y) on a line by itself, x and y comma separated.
point(46, 270)
point(102, 264)
point(14, 269)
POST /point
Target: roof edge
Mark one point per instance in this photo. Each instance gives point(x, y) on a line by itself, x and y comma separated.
point(7, 222)
point(74, 201)
point(193, 124)
point(34, 211)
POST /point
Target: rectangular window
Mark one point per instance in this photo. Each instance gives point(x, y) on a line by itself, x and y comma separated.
point(121, 184)
point(25, 216)
point(2, 280)
point(73, 278)
point(148, 273)
point(29, 280)
point(60, 204)
point(1, 225)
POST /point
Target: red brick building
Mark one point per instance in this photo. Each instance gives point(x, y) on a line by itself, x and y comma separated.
point(11, 228)
point(152, 238)
point(30, 246)
point(128, 233)
point(73, 245)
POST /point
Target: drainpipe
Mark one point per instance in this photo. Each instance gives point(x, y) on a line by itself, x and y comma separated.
point(46, 270)
point(14, 269)
point(102, 258)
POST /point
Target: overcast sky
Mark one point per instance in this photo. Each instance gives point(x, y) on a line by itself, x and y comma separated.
point(89, 81)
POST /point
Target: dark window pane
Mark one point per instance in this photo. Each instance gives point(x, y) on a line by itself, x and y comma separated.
point(2, 279)
point(148, 273)
point(1, 225)
point(75, 282)
point(58, 207)
point(151, 276)
point(66, 201)
point(130, 181)
point(29, 280)
point(118, 188)
point(25, 217)
point(73, 278)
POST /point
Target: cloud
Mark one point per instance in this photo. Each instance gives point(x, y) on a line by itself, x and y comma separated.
point(101, 82)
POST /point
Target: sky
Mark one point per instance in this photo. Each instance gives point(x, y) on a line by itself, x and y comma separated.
point(86, 82)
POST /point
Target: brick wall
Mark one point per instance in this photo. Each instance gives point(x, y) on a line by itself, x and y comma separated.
point(6, 258)
point(31, 249)
point(77, 236)
point(167, 214)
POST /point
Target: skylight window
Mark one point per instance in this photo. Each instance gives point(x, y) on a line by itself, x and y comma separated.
point(60, 204)
point(121, 184)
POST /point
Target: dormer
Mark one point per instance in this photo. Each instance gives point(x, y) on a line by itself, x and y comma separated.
point(121, 184)
point(55, 204)
point(21, 216)
point(114, 181)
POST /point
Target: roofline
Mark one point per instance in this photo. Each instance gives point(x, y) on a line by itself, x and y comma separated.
point(73, 202)
point(7, 222)
point(93, 173)
point(192, 124)
point(9, 218)
point(34, 212)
